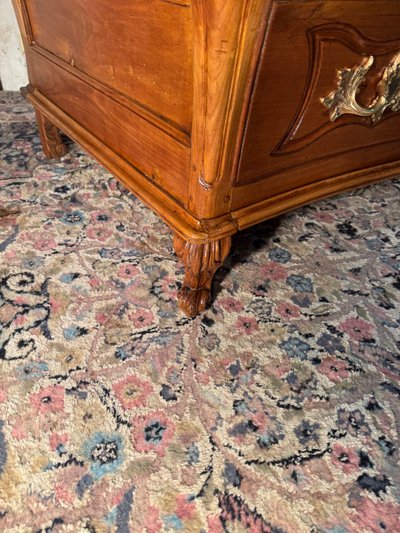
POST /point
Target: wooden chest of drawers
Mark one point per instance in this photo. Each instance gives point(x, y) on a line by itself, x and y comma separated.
point(219, 114)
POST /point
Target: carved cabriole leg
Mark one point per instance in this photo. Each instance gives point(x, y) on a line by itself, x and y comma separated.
point(201, 263)
point(53, 147)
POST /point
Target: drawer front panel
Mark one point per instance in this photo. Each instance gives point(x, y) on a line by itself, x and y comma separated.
point(157, 155)
point(140, 48)
point(290, 138)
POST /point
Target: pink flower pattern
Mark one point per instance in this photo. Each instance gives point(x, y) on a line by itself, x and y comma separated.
point(358, 329)
point(334, 369)
point(132, 392)
point(48, 400)
point(152, 433)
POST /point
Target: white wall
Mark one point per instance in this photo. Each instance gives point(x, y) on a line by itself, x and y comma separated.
point(13, 73)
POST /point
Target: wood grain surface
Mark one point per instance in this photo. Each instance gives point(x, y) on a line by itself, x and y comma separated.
point(210, 110)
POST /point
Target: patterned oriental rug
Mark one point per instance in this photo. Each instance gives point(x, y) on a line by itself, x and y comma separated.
point(276, 411)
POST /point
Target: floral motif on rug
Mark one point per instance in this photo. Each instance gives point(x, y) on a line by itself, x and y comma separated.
point(276, 411)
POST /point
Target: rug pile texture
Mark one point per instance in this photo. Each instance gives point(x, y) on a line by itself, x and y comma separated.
point(277, 411)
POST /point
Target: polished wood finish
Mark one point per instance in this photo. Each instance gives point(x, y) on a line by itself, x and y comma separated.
point(294, 73)
point(135, 48)
point(210, 110)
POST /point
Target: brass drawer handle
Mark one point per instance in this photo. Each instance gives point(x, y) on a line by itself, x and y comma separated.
point(344, 99)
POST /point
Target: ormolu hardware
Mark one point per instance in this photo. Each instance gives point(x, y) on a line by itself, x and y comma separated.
point(344, 99)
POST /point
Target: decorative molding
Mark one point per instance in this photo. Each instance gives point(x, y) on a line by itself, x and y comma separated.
point(175, 215)
point(355, 41)
point(227, 43)
point(296, 197)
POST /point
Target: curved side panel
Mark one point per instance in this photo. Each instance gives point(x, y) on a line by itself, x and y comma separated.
point(354, 40)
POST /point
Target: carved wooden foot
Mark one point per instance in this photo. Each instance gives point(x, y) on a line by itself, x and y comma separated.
point(53, 147)
point(201, 263)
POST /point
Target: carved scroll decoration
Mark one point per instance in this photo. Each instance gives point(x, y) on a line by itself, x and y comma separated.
point(343, 100)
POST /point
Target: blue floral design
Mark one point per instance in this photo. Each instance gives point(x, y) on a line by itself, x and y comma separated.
point(73, 332)
point(120, 353)
point(32, 263)
point(300, 283)
point(73, 218)
point(261, 307)
point(307, 432)
point(103, 217)
point(154, 432)
point(32, 370)
point(193, 454)
point(269, 438)
point(68, 277)
point(280, 255)
point(295, 347)
point(375, 244)
point(330, 343)
point(105, 453)
point(353, 422)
